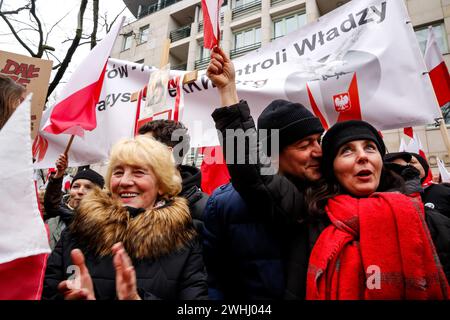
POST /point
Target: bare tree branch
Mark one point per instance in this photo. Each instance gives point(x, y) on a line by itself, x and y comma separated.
point(108, 27)
point(55, 24)
point(17, 10)
point(94, 29)
point(11, 27)
point(65, 63)
point(39, 29)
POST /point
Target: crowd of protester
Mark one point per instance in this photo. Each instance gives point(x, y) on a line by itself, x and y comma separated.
point(338, 218)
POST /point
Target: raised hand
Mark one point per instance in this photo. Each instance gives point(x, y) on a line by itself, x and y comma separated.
point(61, 166)
point(221, 72)
point(125, 275)
point(81, 287)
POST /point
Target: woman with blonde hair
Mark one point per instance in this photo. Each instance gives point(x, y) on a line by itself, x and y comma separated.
point(11, 95)
point(135, 241)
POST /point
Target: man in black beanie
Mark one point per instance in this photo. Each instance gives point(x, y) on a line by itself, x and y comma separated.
point(247, 250)
point(59, 210)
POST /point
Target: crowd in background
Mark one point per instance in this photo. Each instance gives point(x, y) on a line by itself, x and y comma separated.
point(340, 219)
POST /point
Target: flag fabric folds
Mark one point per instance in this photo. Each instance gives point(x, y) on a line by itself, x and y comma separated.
point(75, 110)
point(214, 169)
point(438, 71)
point(23, 236)
point(211, 22)
point(445, 175)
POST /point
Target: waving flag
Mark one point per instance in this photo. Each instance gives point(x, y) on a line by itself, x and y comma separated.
point(75, 111)
point(211, 21)
point(415, 146)
point(437, 70)
point(445, 175)
point(23, 238)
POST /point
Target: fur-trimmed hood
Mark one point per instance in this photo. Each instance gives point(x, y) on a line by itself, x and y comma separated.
point(100, 222)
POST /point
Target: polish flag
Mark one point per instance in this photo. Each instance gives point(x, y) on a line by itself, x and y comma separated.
point(23, 237)
point(402, 145)
point(211, 23)
point(445, 175)
point(409, 132)
point(214, 169)
point(437, 70)
point(415, 146)
point(75, 110)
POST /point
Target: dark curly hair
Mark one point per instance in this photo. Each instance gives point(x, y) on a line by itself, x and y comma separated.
point(163, 131)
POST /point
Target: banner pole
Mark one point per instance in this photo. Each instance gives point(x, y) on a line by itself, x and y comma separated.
point(165, 53)
point(444, 131)
point(68, 145)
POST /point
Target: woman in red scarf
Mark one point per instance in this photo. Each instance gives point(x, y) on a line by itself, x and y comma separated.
point(377, 245)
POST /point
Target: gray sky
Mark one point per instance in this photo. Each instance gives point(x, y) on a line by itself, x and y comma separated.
point(50, 12)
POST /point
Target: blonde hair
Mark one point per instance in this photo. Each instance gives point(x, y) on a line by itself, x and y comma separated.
point(147, 152)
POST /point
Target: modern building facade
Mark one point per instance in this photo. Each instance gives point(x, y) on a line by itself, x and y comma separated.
point(249, 24)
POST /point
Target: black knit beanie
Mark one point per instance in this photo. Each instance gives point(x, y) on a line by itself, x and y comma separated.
point(340, 134)
point(90, 175)
point(391, 156)
point(423, 162)
point(293, 121)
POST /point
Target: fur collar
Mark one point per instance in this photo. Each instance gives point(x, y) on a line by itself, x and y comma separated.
point(101, 221)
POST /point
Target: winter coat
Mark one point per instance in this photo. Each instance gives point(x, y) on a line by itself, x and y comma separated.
point(268, 195)
point(437, 197)
point(192, 192)
point(439, 226)
point(161, 242)
point(280, 199)
point(57, 213)
point(242, 252)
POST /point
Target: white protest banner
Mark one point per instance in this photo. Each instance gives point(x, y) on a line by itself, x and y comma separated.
point(116, 116)
point(361, 61)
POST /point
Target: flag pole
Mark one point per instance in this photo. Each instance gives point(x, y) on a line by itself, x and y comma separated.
point(68, 145)
point(444, 133)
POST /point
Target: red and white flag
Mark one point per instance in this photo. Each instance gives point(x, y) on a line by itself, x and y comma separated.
point(214, 169)
point(211, 22)
point(438, 71)
point(445, 175)
point(23, 236)
point(415, 146)
point(75, 110)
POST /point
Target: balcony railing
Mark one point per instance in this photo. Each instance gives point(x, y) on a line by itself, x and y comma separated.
point(240, 51)
point(182, 66)
point(180, 33)
point(246, 9)
point(145, 11)
point(202, 63)
point(200, 23)
point(277, 2)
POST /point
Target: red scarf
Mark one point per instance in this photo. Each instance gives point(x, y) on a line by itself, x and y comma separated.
point(375, 248)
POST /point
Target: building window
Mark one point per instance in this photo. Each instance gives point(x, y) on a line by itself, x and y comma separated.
point(439, 33)
point(143, 34)
point(240, 3)
point(203, 52)
point(127, 38)
point(285, 25)
point(247, 37)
